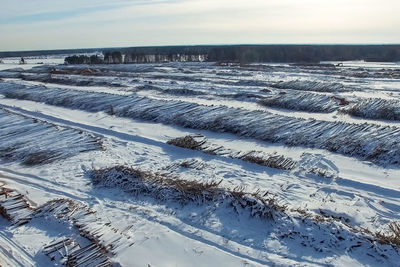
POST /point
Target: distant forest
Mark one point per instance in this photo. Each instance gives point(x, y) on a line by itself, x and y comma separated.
point(305, 53)
point(231, 53)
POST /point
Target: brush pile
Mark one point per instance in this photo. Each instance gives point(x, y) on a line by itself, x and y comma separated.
point(34, 142)
point(14, 206)
point(376, 143)
point(376, 108)
point(200, 142)
point(310, 85)
point(302, 101)
point(166, 187)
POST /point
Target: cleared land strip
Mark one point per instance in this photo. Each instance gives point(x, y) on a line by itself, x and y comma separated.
point(380, 144)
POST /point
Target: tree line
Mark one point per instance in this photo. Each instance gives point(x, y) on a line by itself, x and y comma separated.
point(244, 54)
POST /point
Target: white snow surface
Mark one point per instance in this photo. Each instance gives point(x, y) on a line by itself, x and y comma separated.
point(135, 109)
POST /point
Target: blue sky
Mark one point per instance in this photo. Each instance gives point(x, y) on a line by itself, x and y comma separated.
point(56, 24)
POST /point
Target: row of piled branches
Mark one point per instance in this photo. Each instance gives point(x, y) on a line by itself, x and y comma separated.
point(65, 80)
point(200, 142)
point(310, 85)
point(69, 252)
point(169, 188)
point(14, 206)
point(376, 108)
point(369, 108)
point(372, 142)
point(101, 236)
point(86, 221)
point(292, 98)
point(19, 140)
point(104, 237)
point(302, 101)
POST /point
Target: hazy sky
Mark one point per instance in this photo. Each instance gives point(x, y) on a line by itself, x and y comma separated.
point(53, 24)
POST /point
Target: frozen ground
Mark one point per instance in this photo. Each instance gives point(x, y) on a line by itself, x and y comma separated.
point(87, 176)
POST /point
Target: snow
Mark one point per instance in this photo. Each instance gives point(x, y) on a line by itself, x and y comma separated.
point(359, 194)
point(13, 62)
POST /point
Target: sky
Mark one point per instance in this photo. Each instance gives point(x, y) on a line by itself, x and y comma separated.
point(62, 24)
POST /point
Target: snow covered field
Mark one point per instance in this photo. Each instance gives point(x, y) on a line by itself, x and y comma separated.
point(196, 164)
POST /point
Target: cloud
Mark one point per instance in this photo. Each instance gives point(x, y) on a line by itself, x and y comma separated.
point(101, 23)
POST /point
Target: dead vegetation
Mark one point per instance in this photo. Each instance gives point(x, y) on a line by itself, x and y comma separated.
point(310, 85)
point(40, 157)
point(59, 250)
point(188, 141)
point(342, 101)
point(79, 71)
point(393, 238)
point(350, 139)
point(302, 101)
point(35, 142)
point(90, 255)
point(103, 237)
point(166, 187)
point(193, 163)
point(86, 221)
point(199, 142)
point(271, 160)
point(14, 206)
point(257, 202)
point(260, 205)
point(320, 172)
point(375, 108)
point(159, 185)
point(69, 252)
